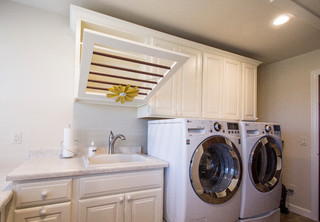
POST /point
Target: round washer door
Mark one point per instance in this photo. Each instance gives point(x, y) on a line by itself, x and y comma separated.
point(265, 164)
point(216, 170)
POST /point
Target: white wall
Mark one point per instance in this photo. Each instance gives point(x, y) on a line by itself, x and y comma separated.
point(94, 122)
point(36, 89)
point(284, 96)
point(36, 86)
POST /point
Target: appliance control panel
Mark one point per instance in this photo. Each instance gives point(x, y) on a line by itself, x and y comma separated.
point(233, 128)
point(254, 129)
point(199, 127)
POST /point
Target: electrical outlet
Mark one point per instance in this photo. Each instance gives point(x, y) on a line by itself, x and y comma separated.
point(16, 137)
point(303, 141)
point(291, 189)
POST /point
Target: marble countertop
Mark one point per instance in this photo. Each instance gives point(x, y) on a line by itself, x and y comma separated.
point(5, 197)
point(44, 167)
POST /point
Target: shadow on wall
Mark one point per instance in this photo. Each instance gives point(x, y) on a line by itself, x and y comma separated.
point(94, 123)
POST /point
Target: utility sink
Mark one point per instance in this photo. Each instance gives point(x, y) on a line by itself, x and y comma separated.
point(105, 160)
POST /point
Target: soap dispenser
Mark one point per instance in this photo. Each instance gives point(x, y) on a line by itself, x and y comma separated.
point(92, 150)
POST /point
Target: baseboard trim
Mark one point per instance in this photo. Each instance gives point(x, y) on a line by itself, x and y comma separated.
point(299, 210)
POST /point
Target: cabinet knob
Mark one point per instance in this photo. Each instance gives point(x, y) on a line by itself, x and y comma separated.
point(129, 198)
point(43, 213)
point(44, 194)
point(121, 200)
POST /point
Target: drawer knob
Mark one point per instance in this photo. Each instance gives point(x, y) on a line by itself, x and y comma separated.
point(121, 199)
point(43, 213)
point(129, 198)
point(44, 194)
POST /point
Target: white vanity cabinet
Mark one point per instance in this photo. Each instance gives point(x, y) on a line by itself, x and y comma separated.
point(48, 200)
point(126, 207)
point(121, 197)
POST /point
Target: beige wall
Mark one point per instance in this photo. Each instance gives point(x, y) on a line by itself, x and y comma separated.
point(284, 96)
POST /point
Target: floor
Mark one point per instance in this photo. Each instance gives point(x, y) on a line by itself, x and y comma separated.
point(292, 217)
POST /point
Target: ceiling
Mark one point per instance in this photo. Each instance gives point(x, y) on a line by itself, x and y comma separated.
point(239, 26)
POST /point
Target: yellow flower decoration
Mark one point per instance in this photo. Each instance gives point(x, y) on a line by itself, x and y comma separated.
point(126, 93)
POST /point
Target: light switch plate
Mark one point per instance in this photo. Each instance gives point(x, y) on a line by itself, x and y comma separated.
point(16, 137)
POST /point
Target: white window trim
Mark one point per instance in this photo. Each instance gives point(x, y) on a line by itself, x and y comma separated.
point(314, 144)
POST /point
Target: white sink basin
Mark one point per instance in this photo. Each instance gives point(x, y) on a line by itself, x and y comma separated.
point(101, 160)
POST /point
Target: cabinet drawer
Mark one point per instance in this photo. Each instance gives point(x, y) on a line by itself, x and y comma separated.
point(36, 193)
point(120, 182)
point(55, 212)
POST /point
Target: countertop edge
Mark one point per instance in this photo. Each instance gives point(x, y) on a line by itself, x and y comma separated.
point(30, 170)
point(5, 197)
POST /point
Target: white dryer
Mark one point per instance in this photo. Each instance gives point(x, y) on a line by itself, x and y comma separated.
point(205, 169)
point(262, 162)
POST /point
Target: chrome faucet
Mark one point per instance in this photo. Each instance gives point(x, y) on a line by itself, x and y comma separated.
point(112, 140)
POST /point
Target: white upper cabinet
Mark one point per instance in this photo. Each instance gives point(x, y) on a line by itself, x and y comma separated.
point(163, 103)
point(232, 90)
point(176, 77)
point(249, 92)
point(221, 87)
point(106, 59)
point(213, 73)
point(189, 84)
point(181, 95)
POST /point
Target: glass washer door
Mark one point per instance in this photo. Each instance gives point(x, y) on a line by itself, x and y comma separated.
point(265, 164)
point(216, 170)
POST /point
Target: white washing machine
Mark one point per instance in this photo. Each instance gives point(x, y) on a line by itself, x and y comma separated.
point(262, 171)
point(205, 169)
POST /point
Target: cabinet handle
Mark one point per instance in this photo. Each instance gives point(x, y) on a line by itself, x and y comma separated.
point(44, 194)
point(121, 199)
point(43, 213)
point(129, 198)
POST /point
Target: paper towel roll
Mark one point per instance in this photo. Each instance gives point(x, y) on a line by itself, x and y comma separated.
point(68, 143)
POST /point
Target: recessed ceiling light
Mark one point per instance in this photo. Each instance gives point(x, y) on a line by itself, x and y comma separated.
point(281, 19)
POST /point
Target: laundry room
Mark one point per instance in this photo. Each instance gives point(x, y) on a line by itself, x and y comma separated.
point(84, 83)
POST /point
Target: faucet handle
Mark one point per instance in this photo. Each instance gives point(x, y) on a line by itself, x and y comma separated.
point(111, 134)
point(111, 137)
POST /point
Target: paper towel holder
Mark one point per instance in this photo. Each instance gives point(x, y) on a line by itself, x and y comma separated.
point(73, 153)
point(68, 149)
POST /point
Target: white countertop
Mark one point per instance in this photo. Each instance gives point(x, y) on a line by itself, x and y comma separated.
point(5, 197)
point(43, 167)
point(3, 183)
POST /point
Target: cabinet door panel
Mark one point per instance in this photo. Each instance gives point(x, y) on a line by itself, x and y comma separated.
point(50, 213)
point(249, 92)
point(232, 89)
point(164, 101)
point(189, 84)
point(212, 85)
point(144, 206)
point(102, 209)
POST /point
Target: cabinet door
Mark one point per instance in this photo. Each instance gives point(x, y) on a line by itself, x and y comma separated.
point(232, 90)
point(164, 102)
point(189, 84)
point(212, 86)
point(249, 92)
point(144, 206)
point(48, 213)
point(102, 209)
